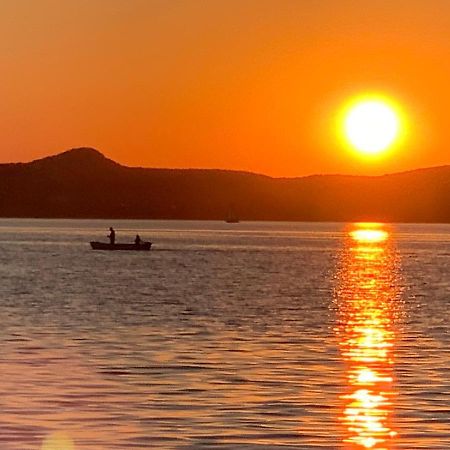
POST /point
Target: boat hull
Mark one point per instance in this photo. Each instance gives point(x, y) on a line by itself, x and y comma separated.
point(144, 246)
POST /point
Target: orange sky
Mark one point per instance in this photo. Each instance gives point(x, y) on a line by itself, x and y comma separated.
point(238, 84)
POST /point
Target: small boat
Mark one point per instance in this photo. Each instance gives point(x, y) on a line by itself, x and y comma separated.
point(143, 246)
point(232, 218)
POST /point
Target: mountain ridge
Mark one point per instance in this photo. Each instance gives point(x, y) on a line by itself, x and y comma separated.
point(93, 154)
point(83, 183)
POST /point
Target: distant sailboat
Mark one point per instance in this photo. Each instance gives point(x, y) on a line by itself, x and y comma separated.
point(232, 218)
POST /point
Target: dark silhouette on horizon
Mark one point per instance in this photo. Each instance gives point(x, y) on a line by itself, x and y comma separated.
point(82, 183)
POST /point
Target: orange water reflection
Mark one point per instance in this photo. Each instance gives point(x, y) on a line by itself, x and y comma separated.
point(58, 441)
point(367, 299)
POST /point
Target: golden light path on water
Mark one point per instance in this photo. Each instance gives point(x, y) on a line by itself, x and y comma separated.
point(58, 441)
point(367, 300)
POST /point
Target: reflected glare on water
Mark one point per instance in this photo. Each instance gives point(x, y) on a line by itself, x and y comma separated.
point(58, 441)
point(368, 297)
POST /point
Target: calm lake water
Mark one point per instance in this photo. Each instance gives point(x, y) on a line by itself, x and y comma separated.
point(244, 336)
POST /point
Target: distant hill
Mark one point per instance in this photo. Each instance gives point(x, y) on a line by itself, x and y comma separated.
point(82, 183)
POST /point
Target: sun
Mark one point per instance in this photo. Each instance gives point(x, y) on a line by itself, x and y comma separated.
point(371, 125)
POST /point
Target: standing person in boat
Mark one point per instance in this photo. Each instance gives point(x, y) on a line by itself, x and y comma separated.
point(112, 236)
point(138, 240)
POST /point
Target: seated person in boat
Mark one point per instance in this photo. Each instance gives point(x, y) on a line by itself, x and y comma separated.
point(112, 236)
point(138, 240)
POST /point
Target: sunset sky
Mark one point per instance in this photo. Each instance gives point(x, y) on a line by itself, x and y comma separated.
point(236, 84)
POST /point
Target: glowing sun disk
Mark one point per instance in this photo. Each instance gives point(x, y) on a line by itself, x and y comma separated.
point(371, 125)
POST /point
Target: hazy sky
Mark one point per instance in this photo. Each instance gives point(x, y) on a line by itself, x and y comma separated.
point(239, 84)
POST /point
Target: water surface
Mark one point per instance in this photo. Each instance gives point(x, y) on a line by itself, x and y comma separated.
point(250, 336)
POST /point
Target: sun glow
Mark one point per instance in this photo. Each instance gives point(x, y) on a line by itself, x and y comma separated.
point(371, 125)
point(369, 236)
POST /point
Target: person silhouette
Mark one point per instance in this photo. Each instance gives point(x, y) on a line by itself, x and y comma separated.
point(112, 236)
point(138, 240)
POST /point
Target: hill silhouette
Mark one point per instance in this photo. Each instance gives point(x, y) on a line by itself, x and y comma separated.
point(82, 183)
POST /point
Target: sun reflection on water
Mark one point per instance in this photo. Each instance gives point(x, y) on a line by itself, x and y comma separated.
point(58, 441)
point(367, 299)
